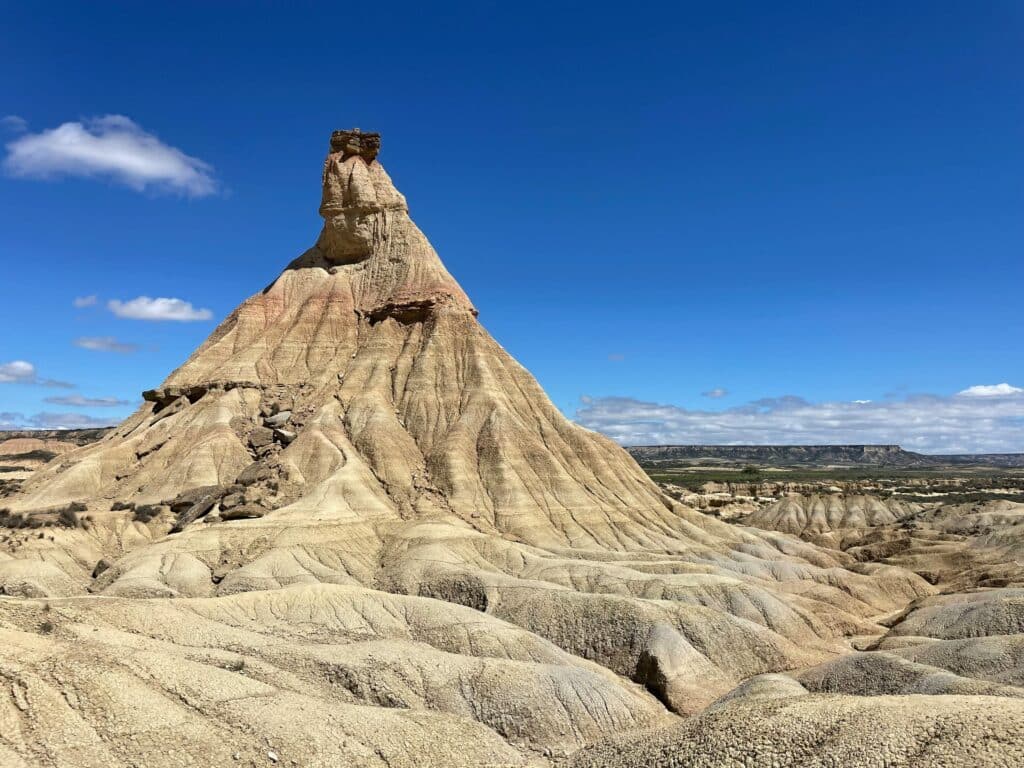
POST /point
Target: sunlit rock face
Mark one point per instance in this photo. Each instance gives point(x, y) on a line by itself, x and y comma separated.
point(360, 206)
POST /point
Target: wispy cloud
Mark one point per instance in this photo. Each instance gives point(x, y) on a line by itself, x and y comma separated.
point(17, 371)
point(715, 393)
point(959, 423)
point(23, 372)
point(78, 401)
point(85, 301)
point(990, 390)
point(145, 308)
point(14, 124)
point(46, 420)
point(105, 344)
point(616, 357)
point(112, 147)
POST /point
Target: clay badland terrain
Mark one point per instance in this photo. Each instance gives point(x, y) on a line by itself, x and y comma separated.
point(351, 530)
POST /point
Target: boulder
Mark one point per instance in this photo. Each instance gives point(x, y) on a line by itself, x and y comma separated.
point(261, 437)
point(284, 436)
point(278, 419)
point(203, 505)
point(243, 512)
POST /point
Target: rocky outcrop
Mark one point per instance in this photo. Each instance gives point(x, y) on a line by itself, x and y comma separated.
point(811, 515)
point(355, 142)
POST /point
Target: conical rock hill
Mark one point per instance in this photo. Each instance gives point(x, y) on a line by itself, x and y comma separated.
point(397, 401)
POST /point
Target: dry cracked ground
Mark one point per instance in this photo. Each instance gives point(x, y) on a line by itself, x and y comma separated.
point(352, 530)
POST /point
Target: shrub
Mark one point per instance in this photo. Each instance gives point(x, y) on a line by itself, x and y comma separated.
point(68, 516)
point(146, 512)
point(10, 519)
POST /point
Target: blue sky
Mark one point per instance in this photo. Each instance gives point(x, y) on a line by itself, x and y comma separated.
point(790, 206)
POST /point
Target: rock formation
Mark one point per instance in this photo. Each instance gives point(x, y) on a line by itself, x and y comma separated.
point(351, 529)
point(813, 516)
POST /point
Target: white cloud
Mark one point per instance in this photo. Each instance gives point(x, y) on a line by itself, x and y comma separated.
point(105, 344)
point(925, 423)
point(18, 371)
point(991, 390)
point(862, 402)
point(23, 372)
point(47, 420)
point(145, 308)
point(14, 123)
point(85, 301)
point(113, 147)
point(78, 401)
point(716, 393)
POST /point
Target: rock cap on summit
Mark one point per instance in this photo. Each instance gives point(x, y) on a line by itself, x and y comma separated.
point(355, 142)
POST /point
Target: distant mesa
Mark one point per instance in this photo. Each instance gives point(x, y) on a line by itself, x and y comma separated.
point(818, 456)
